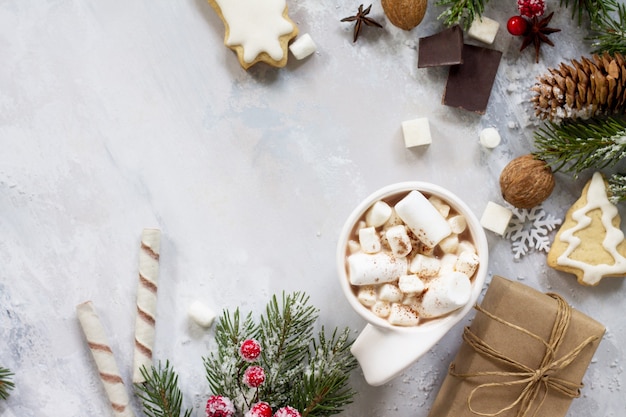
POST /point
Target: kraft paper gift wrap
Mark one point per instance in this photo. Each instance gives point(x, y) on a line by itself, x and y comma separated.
point(524, 354)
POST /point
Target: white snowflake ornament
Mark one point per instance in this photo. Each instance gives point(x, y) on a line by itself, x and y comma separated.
point(528, 229)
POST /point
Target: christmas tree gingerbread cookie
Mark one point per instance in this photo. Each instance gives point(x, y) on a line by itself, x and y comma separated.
point(590, 243)
point(258, 31)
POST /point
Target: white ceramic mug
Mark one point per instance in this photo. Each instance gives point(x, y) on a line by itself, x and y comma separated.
point(383, 350)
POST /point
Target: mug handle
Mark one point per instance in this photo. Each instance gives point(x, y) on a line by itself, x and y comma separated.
point(383, 353)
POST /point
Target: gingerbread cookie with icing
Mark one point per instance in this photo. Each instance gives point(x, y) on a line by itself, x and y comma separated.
point(257, 30)
point(590, 243)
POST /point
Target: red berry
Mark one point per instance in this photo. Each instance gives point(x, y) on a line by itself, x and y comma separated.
point(517, 25)
point(254, 376)
point(250, 350)
point(287, 412)
point(531, 8)
point(260, 409)
point(219, 406)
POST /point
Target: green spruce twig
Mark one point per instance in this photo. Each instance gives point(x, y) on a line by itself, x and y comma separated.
point(160, 395)
point(577, 145)
point(6, 382)
point(609, 33)
point(285, 331)
point(324, 390)
point(461, 12)
point(301, 370)
point(617, 188)
point(595, 10)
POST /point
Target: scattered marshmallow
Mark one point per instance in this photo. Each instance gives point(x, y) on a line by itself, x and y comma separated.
point(450, 244)
point(369, 240)
point(367, 296)
point(457, 223)
point(411, 284)
point(465, 245)
point(425, 266)
point(496, 218)
point(490, 137)
point(467, 263)
point(303, 46)
point(390, 293)
point(378, 214)
point(484, 29)
point(353, 246)
point(440, 205)
point(424, 220)
point(201, 314)
point(399, 240)
point(448, 263)
point(381, 309)
point(416, 132)
point(445, 294)
point(378, 268)
point(402, 315)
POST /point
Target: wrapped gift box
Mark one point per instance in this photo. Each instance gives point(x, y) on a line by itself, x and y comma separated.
point(524, 352)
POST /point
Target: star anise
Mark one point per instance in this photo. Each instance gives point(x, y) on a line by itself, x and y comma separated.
point(537, 33)
point(360, 18)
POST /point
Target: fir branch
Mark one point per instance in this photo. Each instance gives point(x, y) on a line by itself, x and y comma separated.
point(461, 12)
point(594, 9)
point(160, 395)
point(617, 188)
point(285, 331)
point(223, 367)
point(323, 390)
point(6, 383)
point(609, 33)
point(577, 145)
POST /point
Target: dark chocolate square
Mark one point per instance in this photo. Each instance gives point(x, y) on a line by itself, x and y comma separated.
point(443, 48)
point(469, 84)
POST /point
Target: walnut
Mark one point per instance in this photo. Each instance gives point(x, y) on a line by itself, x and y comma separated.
point(405, 14)
point(526, 182)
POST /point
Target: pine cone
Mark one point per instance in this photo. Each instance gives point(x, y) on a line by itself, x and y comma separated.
point(592, 87)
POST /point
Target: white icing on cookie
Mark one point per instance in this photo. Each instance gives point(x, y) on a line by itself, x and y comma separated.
point(256, 25)
point(596, 199)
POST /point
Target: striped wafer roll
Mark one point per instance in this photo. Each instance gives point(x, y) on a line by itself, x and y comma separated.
point(146, 301)
point(105, 361)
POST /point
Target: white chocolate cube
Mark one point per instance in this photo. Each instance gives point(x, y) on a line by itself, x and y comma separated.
point(378, 214)
point(369, 240)
point(410, 284)
point(378, 268)
point(467, 263)
point(303, 46)
point(424, 220)
point(201, 314)
point(445, 294)
point(425, 266)
point(389, 292)
point(496, 218)
point(399, 240)
point(484, 29)
point(402, 315)
point(416, 132)
point(367, 296)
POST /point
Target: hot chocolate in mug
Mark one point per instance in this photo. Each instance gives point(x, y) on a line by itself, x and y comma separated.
point(385, 350)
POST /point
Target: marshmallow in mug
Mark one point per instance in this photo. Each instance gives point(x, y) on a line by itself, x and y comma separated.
point(412, 259)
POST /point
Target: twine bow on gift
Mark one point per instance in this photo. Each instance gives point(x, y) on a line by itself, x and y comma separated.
point(532, 380)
